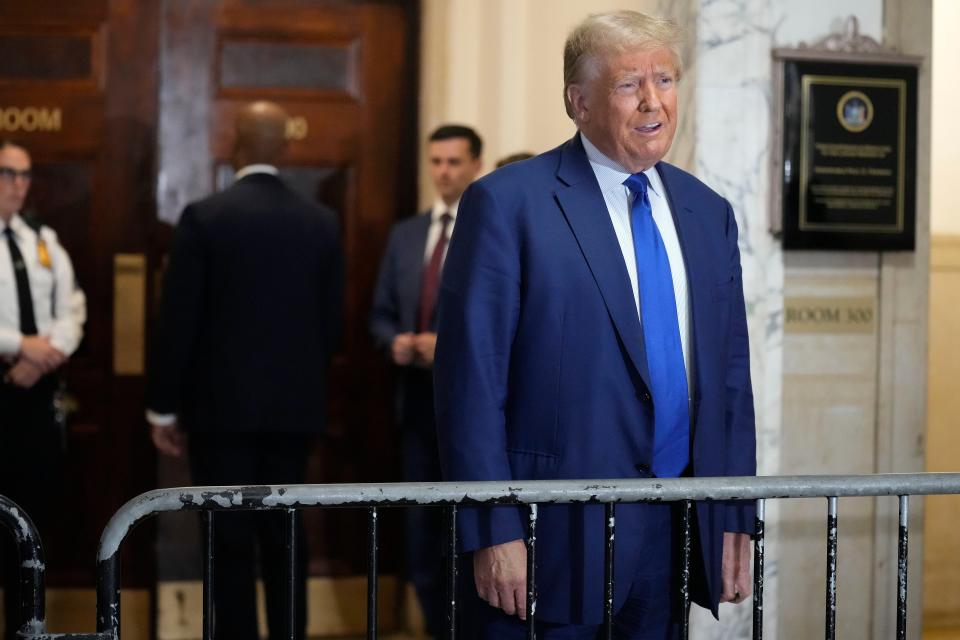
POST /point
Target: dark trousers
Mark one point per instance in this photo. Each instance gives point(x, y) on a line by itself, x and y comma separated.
point(652, 610)
point(252, 459)
point(421, 463)
point(30, 468)
point(424, 542)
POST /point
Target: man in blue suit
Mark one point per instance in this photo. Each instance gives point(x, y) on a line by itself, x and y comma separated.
point(403, 325)
point(592, 325)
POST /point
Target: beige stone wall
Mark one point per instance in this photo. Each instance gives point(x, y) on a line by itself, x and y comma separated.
point(941, 563)
point(497, 65)
point(945, 148)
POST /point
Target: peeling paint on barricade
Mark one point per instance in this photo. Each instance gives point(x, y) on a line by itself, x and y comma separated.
point(33, 563)
point(220, 499)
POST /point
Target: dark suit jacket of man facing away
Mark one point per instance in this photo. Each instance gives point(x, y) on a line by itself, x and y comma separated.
point(541, 370)
point(251, 312)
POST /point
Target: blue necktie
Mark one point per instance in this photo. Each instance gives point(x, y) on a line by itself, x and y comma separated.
point(661, 337)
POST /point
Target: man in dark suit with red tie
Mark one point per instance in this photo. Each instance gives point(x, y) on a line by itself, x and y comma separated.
point(403, 324)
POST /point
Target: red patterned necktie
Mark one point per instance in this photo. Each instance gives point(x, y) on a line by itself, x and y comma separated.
point(431, 278)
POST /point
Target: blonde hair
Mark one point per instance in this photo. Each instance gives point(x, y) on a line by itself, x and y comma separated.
point(603, 34)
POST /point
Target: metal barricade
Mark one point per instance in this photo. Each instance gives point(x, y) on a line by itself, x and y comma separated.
point(32, 570)
point(449, 496)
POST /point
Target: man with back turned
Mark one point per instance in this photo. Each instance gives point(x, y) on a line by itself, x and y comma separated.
point(249, 318)
point(592, 325)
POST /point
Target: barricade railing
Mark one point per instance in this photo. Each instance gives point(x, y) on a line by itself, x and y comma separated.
point(449, 496)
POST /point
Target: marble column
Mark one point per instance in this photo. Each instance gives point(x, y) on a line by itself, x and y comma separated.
point(733, 138)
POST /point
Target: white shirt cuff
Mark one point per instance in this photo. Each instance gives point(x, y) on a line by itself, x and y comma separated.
point(161, 419)
point(10, 342)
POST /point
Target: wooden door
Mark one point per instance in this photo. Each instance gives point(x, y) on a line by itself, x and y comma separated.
point(126, 107)
point(346, 74)
point(78, 90)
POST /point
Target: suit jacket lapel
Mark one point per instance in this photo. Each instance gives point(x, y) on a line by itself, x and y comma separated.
point(586, 212)
point(700, 275)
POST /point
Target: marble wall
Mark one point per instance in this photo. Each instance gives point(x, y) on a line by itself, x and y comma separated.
point(824, 402)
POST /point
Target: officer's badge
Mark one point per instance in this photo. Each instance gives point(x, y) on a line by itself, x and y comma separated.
point(43, 255)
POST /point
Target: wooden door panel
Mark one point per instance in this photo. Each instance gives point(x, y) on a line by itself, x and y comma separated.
point(85, 102)
point(330, 132)
point(81, 95)
point(345, 72)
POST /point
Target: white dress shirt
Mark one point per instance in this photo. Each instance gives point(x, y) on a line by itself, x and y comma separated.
point(59, 307)
point(169, 419)
point(256, 168)
point(433, 233)
point(610, 176)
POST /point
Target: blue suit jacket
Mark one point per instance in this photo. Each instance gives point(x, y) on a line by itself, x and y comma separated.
point(541, 371)
point(396, 298)
point(396, 302)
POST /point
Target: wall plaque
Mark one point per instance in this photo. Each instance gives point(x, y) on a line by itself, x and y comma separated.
point(845, 150)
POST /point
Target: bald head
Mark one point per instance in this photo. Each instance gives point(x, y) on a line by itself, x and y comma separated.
point(261, 134)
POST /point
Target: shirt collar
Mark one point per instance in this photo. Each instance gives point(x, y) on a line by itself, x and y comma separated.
point(256, 168)
point(17, 224)
point(440, 207)
point(611, 174)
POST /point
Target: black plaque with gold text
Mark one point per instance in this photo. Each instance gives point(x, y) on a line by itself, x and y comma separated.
point(849, 156)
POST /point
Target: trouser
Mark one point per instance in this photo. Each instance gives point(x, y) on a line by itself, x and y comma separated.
point(30, 468)
point(652, 610)
point(252, 459)
point(424, 540)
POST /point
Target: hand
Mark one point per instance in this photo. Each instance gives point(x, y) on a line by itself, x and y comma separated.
point(38, 350)
point(735, 572)
point(168, 440)
point(500, 573)
point(24, 374)
point(402, 349)
point(425, 345)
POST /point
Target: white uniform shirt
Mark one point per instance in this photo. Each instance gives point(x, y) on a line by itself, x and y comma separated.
point(433, 233)
point(610, 176)
point(59, 306)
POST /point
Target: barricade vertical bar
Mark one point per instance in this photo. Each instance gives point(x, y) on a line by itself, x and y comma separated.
point(372, 573)
point(902, 568)
point(758, 571)
point(532, 574)
point(686, 510)
point(608, 571)
point(208, 574)
point(451, 516)
point(831, 609)
point(108, 595)
point(31, 561)
point(292, 569)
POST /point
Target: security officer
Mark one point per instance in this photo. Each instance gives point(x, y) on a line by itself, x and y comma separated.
point(41, 323)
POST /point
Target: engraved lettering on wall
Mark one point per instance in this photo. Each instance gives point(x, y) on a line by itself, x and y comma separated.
point(829, 315)
point(30, 119)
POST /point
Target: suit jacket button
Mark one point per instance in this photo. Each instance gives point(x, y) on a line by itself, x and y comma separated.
point(643, 468)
